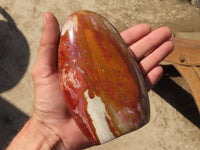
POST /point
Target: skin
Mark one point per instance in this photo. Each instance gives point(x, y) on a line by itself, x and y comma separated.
point(51, 126)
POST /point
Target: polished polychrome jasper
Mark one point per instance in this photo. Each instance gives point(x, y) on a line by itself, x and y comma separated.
point(105, 92)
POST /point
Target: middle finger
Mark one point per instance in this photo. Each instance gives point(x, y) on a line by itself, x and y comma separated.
point(150, 42)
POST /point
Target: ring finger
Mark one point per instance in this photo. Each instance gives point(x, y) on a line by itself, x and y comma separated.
point(155, 57)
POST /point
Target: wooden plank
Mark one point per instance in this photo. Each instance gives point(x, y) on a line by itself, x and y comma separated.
point(192, 77)
point(186, 52)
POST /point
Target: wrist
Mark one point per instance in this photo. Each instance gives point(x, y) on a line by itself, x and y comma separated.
point(49, 139)
point(34, 136)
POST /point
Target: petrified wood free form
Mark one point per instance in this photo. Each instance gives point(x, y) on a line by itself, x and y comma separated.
point(104, 89)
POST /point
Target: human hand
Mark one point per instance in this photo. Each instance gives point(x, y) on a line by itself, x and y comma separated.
point(50, 112)
point(149, 48)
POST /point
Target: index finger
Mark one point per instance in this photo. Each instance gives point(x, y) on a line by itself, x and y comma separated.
point(135, 33)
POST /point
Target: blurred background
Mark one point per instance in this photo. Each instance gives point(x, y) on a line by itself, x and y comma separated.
point(175, 121)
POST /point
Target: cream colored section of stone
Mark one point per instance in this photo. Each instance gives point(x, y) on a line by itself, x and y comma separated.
point(168, 128)
point(97, 111)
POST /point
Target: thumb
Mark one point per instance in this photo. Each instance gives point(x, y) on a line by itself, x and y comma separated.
point(47, 55)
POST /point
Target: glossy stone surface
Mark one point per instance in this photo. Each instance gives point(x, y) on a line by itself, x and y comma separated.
point(105, 92)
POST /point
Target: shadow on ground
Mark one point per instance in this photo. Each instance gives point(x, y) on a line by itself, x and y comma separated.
point(11, 121)
point(181, 100)
point(14, 59)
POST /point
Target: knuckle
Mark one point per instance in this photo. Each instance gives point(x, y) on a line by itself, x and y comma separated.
point(34, 72)
point(43, 43)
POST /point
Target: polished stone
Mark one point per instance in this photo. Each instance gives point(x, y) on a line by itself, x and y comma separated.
point(105, 92)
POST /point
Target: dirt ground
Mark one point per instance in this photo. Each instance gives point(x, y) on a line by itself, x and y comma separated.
point(174, 122)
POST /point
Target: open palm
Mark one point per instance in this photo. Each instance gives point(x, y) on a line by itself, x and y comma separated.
point(148, 47)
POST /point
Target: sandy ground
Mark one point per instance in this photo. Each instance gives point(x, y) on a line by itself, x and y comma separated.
point(174, 122)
